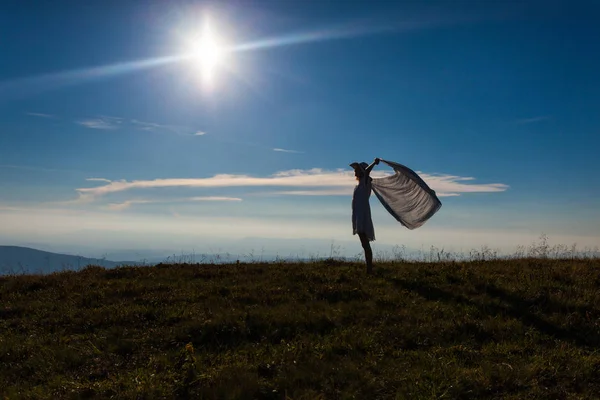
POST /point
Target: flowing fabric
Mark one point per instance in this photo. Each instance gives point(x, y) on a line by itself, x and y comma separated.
point(406, 196)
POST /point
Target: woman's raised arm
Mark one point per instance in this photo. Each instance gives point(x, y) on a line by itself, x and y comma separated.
point(370, 167)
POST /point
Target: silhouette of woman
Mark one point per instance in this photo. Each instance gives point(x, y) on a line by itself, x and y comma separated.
point(362, 223)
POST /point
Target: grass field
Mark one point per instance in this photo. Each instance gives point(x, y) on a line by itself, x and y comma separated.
point(500, 329)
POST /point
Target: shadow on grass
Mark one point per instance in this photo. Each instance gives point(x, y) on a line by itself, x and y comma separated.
point(579, 334)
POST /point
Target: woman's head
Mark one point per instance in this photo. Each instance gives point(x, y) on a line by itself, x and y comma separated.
point(359, 169)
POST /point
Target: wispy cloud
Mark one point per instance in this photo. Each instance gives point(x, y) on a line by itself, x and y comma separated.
point(318, 192)
point(98, 180)
point(128, 203)
point(112, 123)
point(533, 119)
point(287, 151)
point(314, 181)
point(213, 198)
point(337, 192)
point(145, 126)
point(99, 123)
point(41, 115)
point(164, 128)
point(125, 204)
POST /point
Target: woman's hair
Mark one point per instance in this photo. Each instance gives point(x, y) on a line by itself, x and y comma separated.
point(358, 174)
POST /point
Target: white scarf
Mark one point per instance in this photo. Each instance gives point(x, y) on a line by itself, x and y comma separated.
point(406, 196)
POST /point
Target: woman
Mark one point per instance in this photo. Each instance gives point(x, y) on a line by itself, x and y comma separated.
point(361, 210)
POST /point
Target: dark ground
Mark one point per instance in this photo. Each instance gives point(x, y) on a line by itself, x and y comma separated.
point(513, 329)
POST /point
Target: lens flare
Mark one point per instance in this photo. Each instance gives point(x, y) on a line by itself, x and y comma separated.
point(208, 53)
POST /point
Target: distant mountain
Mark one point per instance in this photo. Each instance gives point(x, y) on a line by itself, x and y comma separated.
point(14, 259)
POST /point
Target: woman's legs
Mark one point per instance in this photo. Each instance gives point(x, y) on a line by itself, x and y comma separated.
point(364, 241)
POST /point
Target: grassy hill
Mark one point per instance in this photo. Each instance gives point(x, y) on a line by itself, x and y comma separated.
point(505, 329)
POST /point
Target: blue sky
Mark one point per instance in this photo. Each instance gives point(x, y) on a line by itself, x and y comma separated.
point(109, 134)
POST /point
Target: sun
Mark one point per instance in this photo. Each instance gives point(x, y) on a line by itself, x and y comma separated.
point(208, 53)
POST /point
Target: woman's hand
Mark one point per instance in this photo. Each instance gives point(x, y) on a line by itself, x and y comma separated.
point(370, 167)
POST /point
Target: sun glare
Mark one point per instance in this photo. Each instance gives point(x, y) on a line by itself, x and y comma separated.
point(208, 54)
